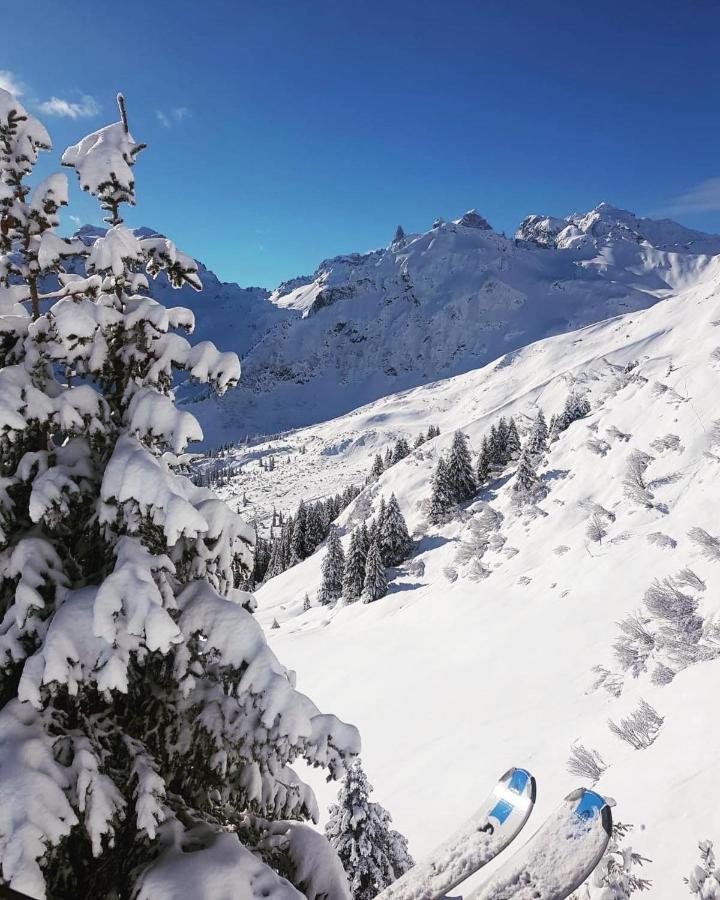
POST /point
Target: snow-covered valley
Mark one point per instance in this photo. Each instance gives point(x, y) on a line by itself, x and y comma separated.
point(482, 655)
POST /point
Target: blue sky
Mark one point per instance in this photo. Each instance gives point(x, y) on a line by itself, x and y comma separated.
point(280, 133)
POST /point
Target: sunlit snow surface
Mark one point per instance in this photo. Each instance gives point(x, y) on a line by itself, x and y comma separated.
point(452, 679)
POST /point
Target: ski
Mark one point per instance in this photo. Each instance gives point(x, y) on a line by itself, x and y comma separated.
point(495, 824)
point(558, 857)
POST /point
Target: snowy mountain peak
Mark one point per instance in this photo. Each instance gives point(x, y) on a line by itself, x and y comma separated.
point(473, 219)
point(608, 225)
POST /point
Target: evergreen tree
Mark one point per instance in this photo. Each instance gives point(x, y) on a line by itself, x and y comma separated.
point(375, 581)
point(354, 570)
point(332, 569)
point(378, 467)
point(363, 540)
point(441, 499)
point(314, 529)
point(537, 441)
point(394, 539)
point(298, 542)
point(512, 444)
point(433, 432)
point(614, 877)
point(402, 449)
point(704, 880)
point(399, 238)
point(373, 855)
point(482, 473)
point(127, 736)
point(419, 441)
point(526, 484)
point(496, 448)
point(577, 406)
point(460, 475)
point(388, 461)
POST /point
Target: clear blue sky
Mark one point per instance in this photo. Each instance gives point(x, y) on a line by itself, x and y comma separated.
point(280, 133)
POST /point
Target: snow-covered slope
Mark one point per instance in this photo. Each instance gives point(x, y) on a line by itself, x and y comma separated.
point(470, 665)
point(444, 302)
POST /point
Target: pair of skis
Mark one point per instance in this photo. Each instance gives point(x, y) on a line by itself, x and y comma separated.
point(553, 863)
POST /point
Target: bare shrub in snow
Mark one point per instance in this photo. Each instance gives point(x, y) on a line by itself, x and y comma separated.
point(658, 539)
point(687, 578)
point(592, 508)
point(609, 681)
point(635, 645)
point(715, 355)
point(596, 529)
point(640, 728)
point(666, 442)
point(585, 763)
point(709, 544)
point(614, 433)
point(598, 446)
point(704, 880)
point(561, 550)
point(715, 433)
point(636, 488)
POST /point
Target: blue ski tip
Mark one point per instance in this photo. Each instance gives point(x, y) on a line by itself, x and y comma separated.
point(516, 782)
point(589, 805)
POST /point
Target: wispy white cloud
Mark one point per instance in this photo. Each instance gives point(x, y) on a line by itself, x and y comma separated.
point(57, 106)
point(703, 197)
point(10, 82)
point(176, 114)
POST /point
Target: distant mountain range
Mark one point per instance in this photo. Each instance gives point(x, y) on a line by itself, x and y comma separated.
point(427, 306)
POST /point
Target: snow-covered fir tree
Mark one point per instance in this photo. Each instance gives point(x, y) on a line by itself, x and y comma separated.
point(704, 880)
point(393, 534)
point(460, 475)
point(354, 569)
point(512, 444)
point(441, 498)
point(375, 581)
point(401, 450)
point(378, 467)
point(482, 471)
point(298, 542)
point(372, 853)
point(135, 686)
point(538, 438)
point(577, 406)
point(332, 569)
point(526, 484)
point(616, 876)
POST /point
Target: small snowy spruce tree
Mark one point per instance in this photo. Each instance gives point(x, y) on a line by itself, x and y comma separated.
point(401, 450)
point(537, 441)
point(615, 877)
point(142, 714)
point(577, 406)
point(332, 569)
point(354, 569)
point(704, 880)
point(526, 484)
point(393, 534)
point(441, 498)
point(482, 472)
point(460, 475)
point(512, 444)
point(373, 855)
point(375, 582)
